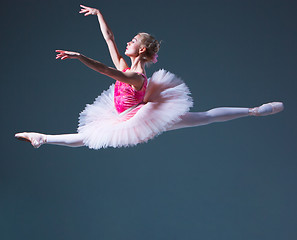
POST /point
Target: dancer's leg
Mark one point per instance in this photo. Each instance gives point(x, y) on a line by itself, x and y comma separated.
point(193, 119)
point(37, 139)
point(69, 140)
point(223, 114)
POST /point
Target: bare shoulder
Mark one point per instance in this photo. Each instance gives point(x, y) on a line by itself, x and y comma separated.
point(138, 79)
point(122, 64)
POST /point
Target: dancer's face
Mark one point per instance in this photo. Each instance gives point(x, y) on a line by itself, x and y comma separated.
point(134, 47)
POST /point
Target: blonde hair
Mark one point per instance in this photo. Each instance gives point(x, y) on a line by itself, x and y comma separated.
point(152, 46)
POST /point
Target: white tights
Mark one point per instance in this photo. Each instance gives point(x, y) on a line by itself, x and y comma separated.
point(222, 114)
point(190, 119)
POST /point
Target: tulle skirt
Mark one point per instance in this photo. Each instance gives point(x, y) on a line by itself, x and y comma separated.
point(166, 99)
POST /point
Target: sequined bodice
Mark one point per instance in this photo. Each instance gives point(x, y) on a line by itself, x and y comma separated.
point(125, 96)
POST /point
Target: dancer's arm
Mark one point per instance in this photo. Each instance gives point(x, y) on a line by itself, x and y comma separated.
point(131, 78)
point(117, 59)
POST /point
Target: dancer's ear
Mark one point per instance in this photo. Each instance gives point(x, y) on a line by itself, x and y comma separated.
point(142, 50)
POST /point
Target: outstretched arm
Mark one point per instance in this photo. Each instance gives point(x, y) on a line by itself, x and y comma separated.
point(117, 59)
point(131, 78)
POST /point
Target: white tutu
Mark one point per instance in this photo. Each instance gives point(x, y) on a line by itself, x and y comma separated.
point(166, 99)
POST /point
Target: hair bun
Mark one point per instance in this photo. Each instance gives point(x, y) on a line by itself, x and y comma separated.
point(152, 47)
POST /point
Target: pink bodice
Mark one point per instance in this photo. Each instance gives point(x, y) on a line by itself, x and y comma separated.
point(125, 96)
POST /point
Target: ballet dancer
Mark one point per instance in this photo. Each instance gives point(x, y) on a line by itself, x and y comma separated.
point(135, 109)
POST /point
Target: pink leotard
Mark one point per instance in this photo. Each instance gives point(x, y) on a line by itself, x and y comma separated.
point(125, 96)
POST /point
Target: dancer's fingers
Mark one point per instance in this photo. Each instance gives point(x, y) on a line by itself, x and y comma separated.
point(85, 7)
point(60, 55)
point(60, 51)
point(88, 10)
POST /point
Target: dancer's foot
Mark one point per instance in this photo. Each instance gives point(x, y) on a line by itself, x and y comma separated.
point(36, 139)
point(267, 109)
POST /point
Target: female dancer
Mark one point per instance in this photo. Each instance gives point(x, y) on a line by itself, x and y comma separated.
point(132, 110)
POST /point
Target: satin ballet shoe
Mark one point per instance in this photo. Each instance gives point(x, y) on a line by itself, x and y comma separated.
point(36, 139)
point(267, 109)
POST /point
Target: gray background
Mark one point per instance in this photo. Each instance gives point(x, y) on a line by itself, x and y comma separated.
point(233, 180)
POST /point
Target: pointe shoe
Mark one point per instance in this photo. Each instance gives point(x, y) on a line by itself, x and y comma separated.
point(36, 139)
point(267, 109)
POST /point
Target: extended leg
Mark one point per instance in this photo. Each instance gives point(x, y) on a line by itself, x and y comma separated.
point(223, 114)
point(37, 139)
point(193, 119)
point(69, 140)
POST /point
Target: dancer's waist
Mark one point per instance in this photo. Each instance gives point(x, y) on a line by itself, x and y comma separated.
point(130, 109)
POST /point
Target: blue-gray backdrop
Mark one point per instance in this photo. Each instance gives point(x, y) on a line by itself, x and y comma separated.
point(233, 180)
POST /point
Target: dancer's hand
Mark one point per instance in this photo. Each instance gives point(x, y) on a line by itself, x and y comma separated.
point(88, 10)
point(67, 54)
